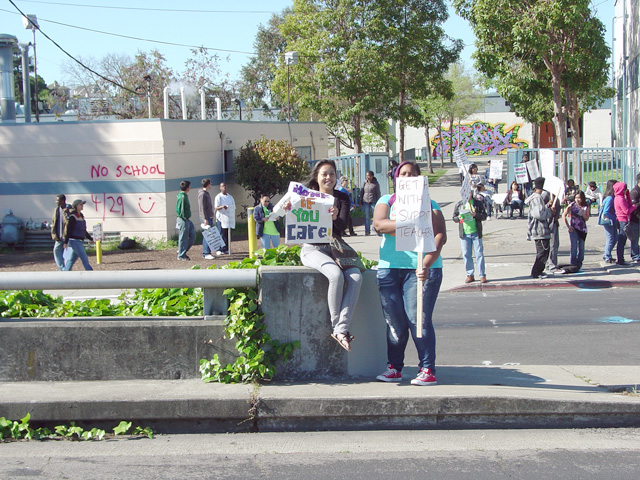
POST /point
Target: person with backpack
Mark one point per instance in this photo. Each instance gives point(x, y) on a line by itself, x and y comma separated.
point(75, 235)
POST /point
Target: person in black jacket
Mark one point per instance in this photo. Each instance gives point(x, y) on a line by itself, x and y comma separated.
point(267, 231)
point(75, 235)
point(58, 230)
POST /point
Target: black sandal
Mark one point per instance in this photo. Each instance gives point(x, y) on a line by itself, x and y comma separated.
point(343, 339)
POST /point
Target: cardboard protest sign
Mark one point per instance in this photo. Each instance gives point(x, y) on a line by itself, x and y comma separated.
point(495, 172)
point(465, 189)
point(532, 168)
point(414, 230)
point(213, 238)
point(555, 186)
point(462, 161)
point(520, 171)
point(308, 220)
point(547, 162)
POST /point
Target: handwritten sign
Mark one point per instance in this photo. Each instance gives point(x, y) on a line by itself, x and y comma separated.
point(547, 162)
point(520, 171)
point(495, 172)
point(414, 230)
point(213, 238)
point(532, 168)
point(462, 161)
point(465, 189)
point(97, 232)
point(308, 220)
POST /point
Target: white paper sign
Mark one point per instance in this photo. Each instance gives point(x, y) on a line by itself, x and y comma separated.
point(520, 171)
point(97, 232)
point(555, 186)
point(495, 172)
point(532, 168)
point(462, 161)
point(547, 163)
point(414, 229)
point(212, 236)
point(308, 220)
point(465, 189)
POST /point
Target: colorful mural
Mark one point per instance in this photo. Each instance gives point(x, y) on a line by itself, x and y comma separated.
point(478, 138)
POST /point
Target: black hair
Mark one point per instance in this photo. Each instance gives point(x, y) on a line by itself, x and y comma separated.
point(608, 191)
point(184, 185)
point(206, 182)
point(313, 178)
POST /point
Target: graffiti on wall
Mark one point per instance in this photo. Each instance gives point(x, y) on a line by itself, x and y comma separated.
point(478, 138)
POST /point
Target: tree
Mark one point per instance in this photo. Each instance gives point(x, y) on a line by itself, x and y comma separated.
point(265, 167)
point(339, 76)
point(123, 83)
point(203, 73)
point(258, 75)
point(43, 90)
point(428, 110)
point(414, 52)
point(557, 41)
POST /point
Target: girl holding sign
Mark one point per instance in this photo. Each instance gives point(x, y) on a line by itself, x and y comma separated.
point(397, 278)
point(344, 283)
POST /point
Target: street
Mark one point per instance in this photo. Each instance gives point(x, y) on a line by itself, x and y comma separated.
point(537, 327)
point(370, 455)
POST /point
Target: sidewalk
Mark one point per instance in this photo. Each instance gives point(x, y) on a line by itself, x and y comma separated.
point(466, 397)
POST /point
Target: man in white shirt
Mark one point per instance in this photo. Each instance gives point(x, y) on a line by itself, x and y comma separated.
point(225, 208)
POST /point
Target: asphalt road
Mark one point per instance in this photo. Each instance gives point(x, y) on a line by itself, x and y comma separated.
point(370, 455)
point(537, 327)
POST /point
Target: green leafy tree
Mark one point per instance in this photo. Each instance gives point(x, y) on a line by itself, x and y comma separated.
point(414, 52)
point(259, 73)
point(429, 111)
point(339, 78)
point(265, 167)
point(559, 42)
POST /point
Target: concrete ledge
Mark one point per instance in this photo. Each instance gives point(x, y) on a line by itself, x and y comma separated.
point(294, 301)
point(109, 348)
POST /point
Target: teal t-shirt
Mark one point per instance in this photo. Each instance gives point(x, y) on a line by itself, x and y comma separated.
point(389, 257)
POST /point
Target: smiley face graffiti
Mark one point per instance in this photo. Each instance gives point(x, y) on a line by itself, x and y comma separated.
point(143, 210)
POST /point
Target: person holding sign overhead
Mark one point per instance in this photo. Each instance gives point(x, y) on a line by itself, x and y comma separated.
point(345, 282)
point(397, 278)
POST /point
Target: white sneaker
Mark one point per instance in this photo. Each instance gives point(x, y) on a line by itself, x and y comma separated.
point(218, 253)
point(209, 257)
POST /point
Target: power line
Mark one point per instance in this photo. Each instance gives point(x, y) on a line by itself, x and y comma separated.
point(74, 58)
point(149, 9)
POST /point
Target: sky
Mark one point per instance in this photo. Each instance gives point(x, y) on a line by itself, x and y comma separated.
point(230, 28)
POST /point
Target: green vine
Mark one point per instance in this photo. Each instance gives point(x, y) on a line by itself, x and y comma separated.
point(22, 430)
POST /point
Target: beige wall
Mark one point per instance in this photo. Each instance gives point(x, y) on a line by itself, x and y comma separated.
point(128, 171)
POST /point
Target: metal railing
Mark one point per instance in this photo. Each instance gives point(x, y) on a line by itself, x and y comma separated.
point(585, 164)
point(213, 282)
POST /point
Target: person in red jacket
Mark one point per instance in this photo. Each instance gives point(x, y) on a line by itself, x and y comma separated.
point(624, 210)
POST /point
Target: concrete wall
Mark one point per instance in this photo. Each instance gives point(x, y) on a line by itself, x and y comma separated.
point(129, 171)
point(294, 300)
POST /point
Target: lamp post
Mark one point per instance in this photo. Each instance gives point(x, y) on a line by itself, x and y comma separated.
point(26, 88)
point(290, 58)
point(30, 22)
point(238, 102)
point(148, 79)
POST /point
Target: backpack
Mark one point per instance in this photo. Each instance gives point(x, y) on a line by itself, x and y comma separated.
point(127, 243)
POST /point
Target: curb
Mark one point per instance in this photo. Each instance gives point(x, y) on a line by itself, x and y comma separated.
point(539, 284)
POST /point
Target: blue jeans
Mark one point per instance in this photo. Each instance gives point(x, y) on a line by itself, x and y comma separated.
point(58, 252)
point(77, 247)
point(468, 241)
point(206, 249)
point(577, 249)
point(635, 253)
point(186, 236)
point(517, 204)
point(611, 235)
point(224, 233)
point(622, 241)
point(367, 209)
point(398, 294)
point(270, 239)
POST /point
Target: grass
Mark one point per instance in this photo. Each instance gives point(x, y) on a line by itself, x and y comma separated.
point(433, 177)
